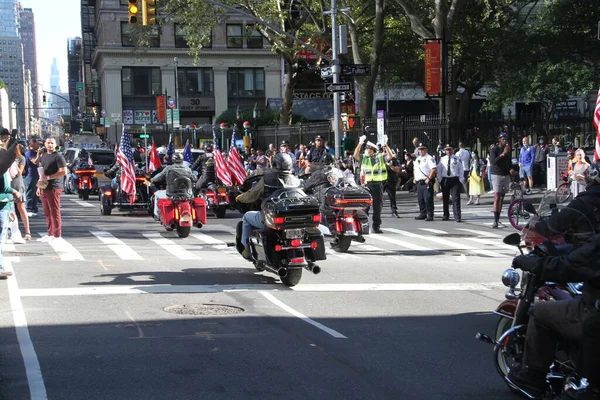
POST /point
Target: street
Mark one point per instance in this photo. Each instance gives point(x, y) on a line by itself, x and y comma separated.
point(122, 309)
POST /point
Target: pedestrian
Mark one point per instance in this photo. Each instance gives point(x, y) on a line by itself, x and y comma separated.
point(17, 183)
point(31, 177)
point(393, 168)
point(464, 156)
point(476, 188)
point(50, 187)
point(488, 172)
point(416, 143)
point(407, 172)
point(539, 164)
point(526, 158)
point(451, 175)
point(374, 171)
point(501, 169)
point(7, 195)
point(425, 171)
point(578, 173)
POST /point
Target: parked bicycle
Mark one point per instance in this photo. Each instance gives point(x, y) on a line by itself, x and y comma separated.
point(517, 216)
point(563, 191)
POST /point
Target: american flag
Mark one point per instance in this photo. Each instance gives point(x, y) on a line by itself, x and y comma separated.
point(220, 167)
point(170, 149)
point(234, 161)
point(597, 126)
point(153, 160)
point(188, 158)
point(125, 160)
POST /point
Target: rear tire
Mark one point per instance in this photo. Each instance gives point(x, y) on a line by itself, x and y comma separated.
point(293, 277)
point(104, 209)
point(341, 244)
point(220, 212)
point(563, 193)
point(502, 360)
point(85, 195)
point(517, 216)
point(183, 231)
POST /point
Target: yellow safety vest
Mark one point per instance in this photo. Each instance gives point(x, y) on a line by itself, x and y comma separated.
point(374, 172)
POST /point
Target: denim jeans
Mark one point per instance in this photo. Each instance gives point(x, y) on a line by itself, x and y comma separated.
point(250, 221)
point(3, 233)
point(31, 197)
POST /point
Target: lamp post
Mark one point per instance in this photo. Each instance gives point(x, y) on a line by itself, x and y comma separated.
point(176, 62)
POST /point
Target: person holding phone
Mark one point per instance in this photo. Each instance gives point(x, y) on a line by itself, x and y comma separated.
point(501, 168)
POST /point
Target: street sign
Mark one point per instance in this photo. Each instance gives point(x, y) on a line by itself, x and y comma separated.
point(103, 113)
point(338, 87)
point(144, 136)
point(116, 117)
point(356, 69)
point(171, 102)
point(326, 72)
point(173, 118)
point(79, 86)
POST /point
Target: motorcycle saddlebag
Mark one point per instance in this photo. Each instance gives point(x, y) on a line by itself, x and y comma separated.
point(348, 197)
point(167, 208)
point(290, 209)
point(200, 208)
point(314, 235)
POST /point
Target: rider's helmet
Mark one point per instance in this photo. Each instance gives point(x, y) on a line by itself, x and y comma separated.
point(208, 147)
point(592, 174)
point(282, 162)
point(177, 158)
point(327, 158)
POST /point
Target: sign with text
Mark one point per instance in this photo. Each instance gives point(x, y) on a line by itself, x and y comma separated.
point(380, 125)
point(312, 94)
point(173, 118)
point(197, 103)
point(356, 69)
point(142, 117)
point(433, 67)
point(161, 108)
point(338, 87)
point(128, 117)
point(306, 54)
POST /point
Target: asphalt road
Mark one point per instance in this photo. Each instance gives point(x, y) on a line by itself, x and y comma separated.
point(88, 317)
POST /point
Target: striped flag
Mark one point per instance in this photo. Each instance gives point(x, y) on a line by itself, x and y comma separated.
point(125, 160)
point(188, 158)
point(220, 168)
point(597, 127)
point(170, 150)
point(153, 160)
point(234, 161)
point(89, 160)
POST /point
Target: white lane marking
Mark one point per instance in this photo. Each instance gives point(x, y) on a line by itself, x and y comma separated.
point(436, 231)
point(172, 247)
point(368, 247)
point(83, 203)
point(481, 233)
point(345, 256)
point(326, 287)
point(64, 249)
point(117, 246)
point(35, 380)
point(9, 246)
point(401, 243)
point(215, 243)
point(493, 242)
point(453, 245)
point(303, 317)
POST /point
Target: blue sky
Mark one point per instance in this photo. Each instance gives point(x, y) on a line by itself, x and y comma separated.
point(55, 21)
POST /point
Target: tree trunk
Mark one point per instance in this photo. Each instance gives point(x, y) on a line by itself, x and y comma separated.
point(285, 117)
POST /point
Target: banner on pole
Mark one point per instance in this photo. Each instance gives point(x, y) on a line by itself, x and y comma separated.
point(433, 69)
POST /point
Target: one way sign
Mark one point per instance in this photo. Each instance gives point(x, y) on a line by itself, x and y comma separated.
point(338, 87)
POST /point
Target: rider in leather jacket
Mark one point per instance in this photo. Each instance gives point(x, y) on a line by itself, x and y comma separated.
point(205, 165)
point(280, 176)
point(170, 174)
point(323, 178)
point(577, 319)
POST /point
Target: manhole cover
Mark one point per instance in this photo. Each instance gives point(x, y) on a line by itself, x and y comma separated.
point(21, 254)
point(204, 309)
point(455, 235)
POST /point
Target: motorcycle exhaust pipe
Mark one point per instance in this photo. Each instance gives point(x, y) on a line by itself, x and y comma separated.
point(199, 225)
point(280, 272)
point(314, 268)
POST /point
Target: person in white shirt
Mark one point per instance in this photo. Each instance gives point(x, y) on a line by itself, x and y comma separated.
point(464, 156)
point(424, 175)
point(451, 174)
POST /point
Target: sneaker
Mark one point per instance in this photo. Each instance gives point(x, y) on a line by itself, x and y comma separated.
point(476, 202)
point(528, 191)
point(377, 230)
point(495, 225)
point(530, 382)
point(43, 238)
point(48, 238)
point(5, 274)
point(500, 225)
point(470, 202)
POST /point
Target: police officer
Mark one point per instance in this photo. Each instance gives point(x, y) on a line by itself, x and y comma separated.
point(374, 171)
point(205, 165)
point(424, 175)
point(450, 173)
point(315, 154)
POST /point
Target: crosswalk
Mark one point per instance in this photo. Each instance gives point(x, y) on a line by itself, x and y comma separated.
point(210, 243)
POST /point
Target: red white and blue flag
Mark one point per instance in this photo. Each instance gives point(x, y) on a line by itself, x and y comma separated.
point(597, 127)
point(125, 160)
point(234, 161)
point(188, 158)
point(220, 167)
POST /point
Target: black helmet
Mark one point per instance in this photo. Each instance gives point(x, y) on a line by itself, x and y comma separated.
point(208, 147)
point(327, 158)
point(282, 161)
point(177, 158)
point(592, 174)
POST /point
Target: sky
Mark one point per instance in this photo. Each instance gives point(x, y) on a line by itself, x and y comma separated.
point(55, 22)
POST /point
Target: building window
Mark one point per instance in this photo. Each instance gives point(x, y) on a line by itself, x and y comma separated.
point(254, 39)
point(180, 38)
point(195, 81)
point(141, 81)
point(234, 36)
point(127, 40)
point(246, 82)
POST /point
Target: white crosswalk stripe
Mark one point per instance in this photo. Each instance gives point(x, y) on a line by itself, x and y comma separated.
point(83, 203)
point(64, 249)
point(172, 247)
point(117, 246)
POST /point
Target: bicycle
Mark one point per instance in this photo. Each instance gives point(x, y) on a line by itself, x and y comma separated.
point(563, 191)
point(517, 216)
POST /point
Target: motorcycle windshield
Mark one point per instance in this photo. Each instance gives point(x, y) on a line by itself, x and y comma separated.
point(560, 220)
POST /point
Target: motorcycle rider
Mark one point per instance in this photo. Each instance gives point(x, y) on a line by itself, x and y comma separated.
point(205, 165)
point(323, 178)
point(278, 177)
point(170, 174)
point(576, 319)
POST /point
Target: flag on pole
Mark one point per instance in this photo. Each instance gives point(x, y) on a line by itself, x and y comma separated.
point(597, 127)
point(89, 160)
point(220, 167)
point(125, 160)
point(154, 160)
point(235, 164)
point(170, 149)
point(188, 158)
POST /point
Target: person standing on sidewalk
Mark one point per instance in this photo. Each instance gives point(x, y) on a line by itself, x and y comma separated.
point(32, 156)
point(7, 196)
point(464, 156)
point(55, 167)
point(424, 175)
point(501, 166)
point(526, 157)
point(393, 168)
point(451, 175)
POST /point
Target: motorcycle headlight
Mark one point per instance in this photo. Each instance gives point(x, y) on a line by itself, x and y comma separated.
point(510, 278)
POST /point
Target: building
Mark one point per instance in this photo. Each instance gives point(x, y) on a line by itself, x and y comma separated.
point(237, 69)
point(27, 32)
point(75, 74)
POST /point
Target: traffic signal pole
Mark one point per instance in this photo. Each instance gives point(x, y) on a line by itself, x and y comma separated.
point(335, 69)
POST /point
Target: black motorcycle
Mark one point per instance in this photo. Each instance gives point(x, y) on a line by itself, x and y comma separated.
point(114, 197)
point(290, 241)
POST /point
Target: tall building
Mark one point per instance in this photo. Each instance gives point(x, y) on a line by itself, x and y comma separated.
point(54, 77)
point(75, 73)
point(27, 31)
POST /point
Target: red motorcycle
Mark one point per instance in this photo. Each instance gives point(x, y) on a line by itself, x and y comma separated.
point(217, 199)
point(182, 210)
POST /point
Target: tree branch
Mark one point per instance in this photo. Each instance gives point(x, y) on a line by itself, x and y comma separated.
point(415, 21)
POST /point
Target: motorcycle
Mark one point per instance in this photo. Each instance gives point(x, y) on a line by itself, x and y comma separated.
point(84, 182)
point(217, 199)
point(182, 210)
point(113, 197)
point(290, 241)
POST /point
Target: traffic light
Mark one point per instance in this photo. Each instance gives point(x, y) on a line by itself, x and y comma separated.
point(148, 12)
point(134, 11)
point(44, 99)
point(81, 127)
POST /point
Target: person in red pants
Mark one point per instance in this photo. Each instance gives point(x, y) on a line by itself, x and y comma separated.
point(50, 187)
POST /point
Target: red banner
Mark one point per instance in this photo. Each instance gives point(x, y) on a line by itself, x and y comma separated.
point(161, 114)
point(433, 69)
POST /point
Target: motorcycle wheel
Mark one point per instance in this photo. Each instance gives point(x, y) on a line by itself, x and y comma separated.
point(85, 195)
point(183, 231)
point(341, 244)
point(104, 210)
point(220, 212)
point(504, 361)
point(259, 265)
point(293, 277)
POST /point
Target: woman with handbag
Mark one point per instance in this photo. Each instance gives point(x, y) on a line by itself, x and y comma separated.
point(17, 183)
point(476, 188)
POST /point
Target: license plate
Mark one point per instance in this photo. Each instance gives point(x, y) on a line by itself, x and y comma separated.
point(294, 233)
point(186, 218)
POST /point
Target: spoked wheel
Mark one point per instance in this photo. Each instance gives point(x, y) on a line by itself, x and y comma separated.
point(563, 193)
point(341, 244)
point(510, 354)
point(293, 277)
point(517, 216)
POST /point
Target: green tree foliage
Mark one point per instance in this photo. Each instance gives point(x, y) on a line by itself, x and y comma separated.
point(267, 117)
point(2, 84)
